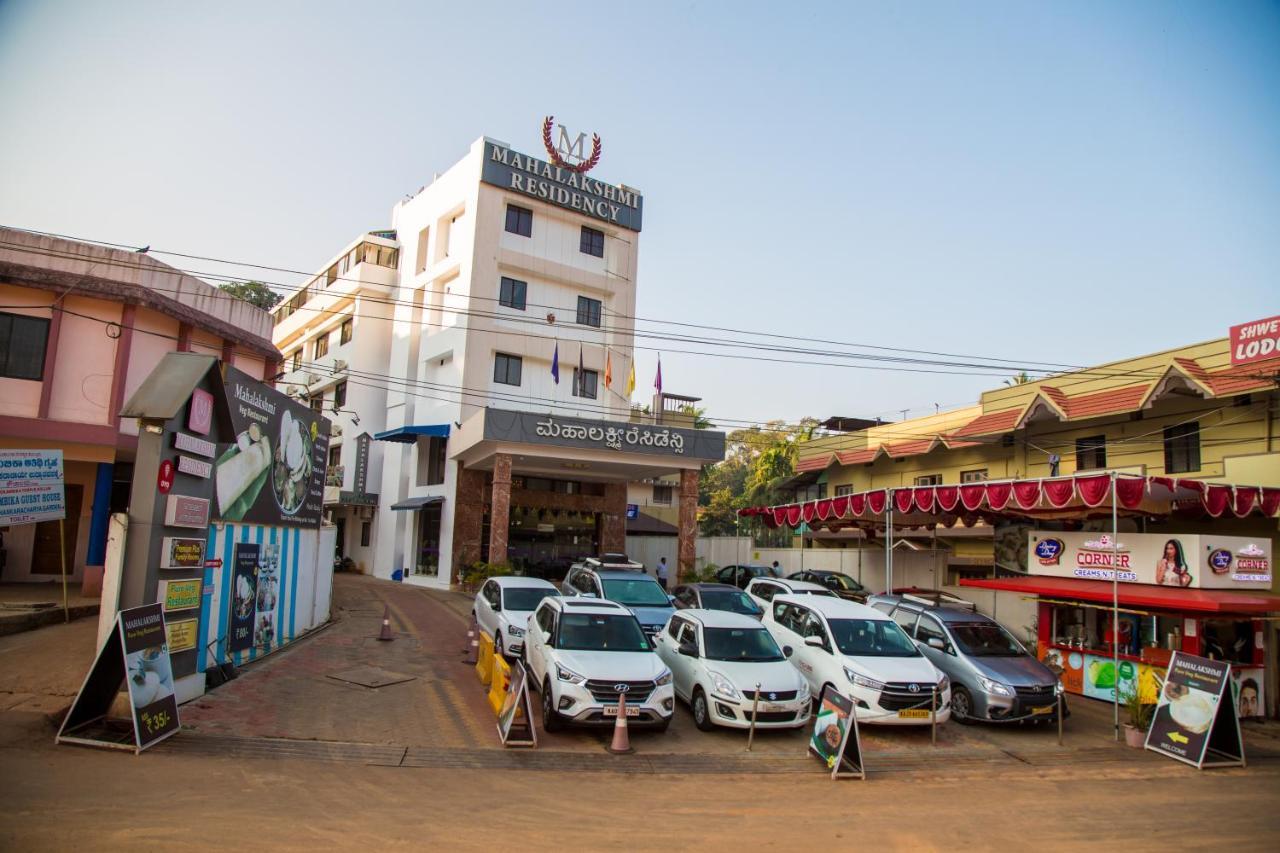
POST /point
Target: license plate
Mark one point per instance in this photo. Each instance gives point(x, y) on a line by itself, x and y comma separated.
point(612, 711)
point(1043, 709)
point(772, 707)
point(914, 714)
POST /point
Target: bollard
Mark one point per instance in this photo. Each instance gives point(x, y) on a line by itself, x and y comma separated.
point(473, 642)
point(755, 708)
point(933, 716)
point(385, 635)
point(621, 741)
point(1059, 719)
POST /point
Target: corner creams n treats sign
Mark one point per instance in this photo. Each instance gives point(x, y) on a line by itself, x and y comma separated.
point(1177, 560)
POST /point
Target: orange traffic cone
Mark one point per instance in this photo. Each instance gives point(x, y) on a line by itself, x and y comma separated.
point(621, 741)
point(386, 625)
point(473, 642)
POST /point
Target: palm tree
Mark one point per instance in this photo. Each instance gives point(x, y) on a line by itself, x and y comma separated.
point(1019, 378)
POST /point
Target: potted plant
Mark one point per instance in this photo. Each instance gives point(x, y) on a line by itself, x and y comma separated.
point(1140, 712)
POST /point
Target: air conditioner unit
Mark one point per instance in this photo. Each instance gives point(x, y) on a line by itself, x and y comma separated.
point(294, 391)
point(339, 365)
point(310, 379)
point(335, 431)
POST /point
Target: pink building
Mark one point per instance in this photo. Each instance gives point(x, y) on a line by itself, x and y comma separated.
point(81, 326)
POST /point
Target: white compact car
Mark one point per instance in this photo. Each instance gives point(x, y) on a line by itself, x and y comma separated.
point(863, 654)
point(717, 658)
point(583, 653)
point(763, 590)
point(503, 606)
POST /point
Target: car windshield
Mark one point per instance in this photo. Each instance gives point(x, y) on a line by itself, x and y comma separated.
point(525, 597)
point(637, 592)
point(985, 640)
point(742, 644)
point(844, 582)
point(733, 600)
point(601, 632)
point(872, 638)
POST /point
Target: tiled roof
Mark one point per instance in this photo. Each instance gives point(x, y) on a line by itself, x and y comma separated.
point(857, 457)
point(989, 424)
point(914, 447)
point(1244, 377)
point(814, 463)
point(1110, 402)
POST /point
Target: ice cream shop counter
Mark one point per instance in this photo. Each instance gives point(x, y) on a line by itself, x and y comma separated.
point(1075, 633)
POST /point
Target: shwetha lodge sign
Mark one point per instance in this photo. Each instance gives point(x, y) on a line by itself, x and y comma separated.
point(563, 182)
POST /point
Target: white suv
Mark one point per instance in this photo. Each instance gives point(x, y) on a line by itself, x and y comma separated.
point(503, 606)
point(582, 653)
point(863, 654)
point(762, 590)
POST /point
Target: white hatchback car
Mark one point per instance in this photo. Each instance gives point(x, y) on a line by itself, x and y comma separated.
point(762, 590)
point(503, 606)
point(717, 658)
point(863, 654)
point(583, 653)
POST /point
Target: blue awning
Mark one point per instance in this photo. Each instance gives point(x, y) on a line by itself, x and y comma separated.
point(417, 503)
point(410, 434)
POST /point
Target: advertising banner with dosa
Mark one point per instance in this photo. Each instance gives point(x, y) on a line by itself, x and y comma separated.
point(273, 471)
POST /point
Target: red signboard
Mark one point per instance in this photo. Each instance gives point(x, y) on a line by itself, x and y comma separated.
point(164, 479)
point(1256, 341)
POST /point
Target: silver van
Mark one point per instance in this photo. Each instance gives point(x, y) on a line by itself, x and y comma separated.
point(993, 676)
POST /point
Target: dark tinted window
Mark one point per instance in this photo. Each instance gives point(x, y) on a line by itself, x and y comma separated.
point(511, 292)
point(985, 640)
point(929, 629)
point(519, 220)
point(526, 598)
point(1182, 448)
point(732, 600)
point(507, 368)
point(22, 345)
point(907, 620)
point(643, 591)
point(743, 644)
point(872, 638)
point(592, 242)
point(585, 383)
point(588, 311)
point(598, 632)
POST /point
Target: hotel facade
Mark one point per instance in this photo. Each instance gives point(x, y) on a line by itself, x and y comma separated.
point(476, 358)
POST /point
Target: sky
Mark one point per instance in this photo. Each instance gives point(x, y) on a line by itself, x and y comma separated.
point(1040, 183)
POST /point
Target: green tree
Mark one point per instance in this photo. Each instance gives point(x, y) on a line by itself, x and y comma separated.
point(253, 292)
point(1019, 378)
point(757, 462)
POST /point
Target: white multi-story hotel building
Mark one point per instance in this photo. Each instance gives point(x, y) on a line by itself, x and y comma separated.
point(435, 342)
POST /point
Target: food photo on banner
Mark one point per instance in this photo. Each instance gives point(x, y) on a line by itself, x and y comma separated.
point(244, 597)
point(268, 591)
point(148, 673)
point(1195, 717)
point(273, 472)
point(835, 740)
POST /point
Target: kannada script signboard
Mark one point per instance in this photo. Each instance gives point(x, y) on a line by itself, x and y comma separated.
point(533, 428)
point(31, 486)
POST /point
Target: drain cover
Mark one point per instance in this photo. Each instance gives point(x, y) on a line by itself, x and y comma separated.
point(371, 676)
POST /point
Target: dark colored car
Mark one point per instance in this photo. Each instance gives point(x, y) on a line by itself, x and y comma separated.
point(716, 596)
point(841, 584)
point(740, 576)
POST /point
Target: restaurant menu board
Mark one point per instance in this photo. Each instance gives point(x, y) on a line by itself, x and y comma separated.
point(835, 741)
point(244, 597)
point(134, 656)
point(1195, 720)
point(31, 486)
point(272, 471)
point(515, 717)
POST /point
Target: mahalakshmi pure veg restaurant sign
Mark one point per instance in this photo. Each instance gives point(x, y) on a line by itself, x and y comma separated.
point(1180, 560)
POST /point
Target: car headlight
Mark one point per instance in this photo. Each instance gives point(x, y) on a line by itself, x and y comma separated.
point(514, 631)
point(803, 692)
point(944, 683)
point(1057, 687)
point(664, 679)
point(723, 686)
point(568, 675)
point(861, 680)
point(994, 687)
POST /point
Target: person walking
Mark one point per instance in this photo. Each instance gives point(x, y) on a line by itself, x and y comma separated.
point(662, 572)
point(777, 570)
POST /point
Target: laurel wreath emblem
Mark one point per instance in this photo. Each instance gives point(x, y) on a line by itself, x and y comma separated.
point(585, 166)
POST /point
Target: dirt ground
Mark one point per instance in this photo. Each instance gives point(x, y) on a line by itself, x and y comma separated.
point(288, 757)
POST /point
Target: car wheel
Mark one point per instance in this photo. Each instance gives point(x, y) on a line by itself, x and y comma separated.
point(550, 719)
point(701, 711)
point(961, 706)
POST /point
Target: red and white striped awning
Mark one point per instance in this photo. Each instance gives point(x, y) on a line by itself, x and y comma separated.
point(1083, 496)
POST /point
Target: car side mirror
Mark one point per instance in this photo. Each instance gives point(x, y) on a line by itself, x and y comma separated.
point(787, 651)
point(689, 650)
point(936, 643)
point(813, 641)
point(672, 599)
point(497, 608)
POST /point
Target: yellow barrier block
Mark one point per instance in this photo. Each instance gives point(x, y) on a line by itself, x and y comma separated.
point(498, 690)
point(484, 660)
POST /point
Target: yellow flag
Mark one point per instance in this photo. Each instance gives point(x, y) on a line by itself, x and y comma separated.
point(631, 379)
point(608, 368)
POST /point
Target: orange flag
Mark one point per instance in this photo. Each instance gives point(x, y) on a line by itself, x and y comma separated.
point(608, 368)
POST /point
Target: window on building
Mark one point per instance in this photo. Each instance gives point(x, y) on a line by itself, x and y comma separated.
point(929, 480)
point(295, 361)
point(585, 383)
point(22, 345)
point(662, 495)
point(330, 275)
point(591, 242)
point(588, 311)
point(511, 293)
point(842, 491)
point(1091, 452)
point(335, 455)
point(977, 475)
point(322, 346)
point(1182, 448)
point(366, 529)
point(506, 369)
point(520, 220)
point(436, 459)
point(340, 395)
point(346, 331)
point(421, 265)
point(317, 403)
